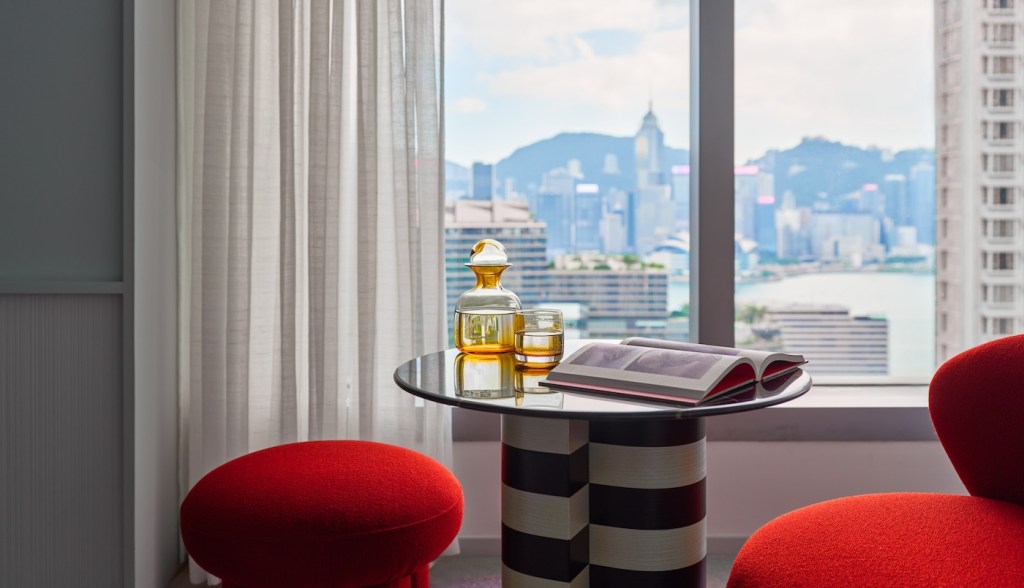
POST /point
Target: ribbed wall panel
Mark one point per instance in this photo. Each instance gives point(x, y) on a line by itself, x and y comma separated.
point(61, 440)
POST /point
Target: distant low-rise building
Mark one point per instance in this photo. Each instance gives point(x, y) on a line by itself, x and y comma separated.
point(623, 297)
point(833, 341)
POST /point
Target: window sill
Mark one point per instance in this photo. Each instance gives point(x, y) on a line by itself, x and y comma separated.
point(836, 412)
point(861, 410)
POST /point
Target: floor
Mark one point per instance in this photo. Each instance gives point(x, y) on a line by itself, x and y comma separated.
point(485, 572)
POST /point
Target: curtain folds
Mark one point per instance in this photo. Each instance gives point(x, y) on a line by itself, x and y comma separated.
point(310, 206)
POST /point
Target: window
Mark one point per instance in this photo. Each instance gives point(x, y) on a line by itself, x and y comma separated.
point(577, 72)
point(996, 65)
point(999, 195)
point(950, 103)
point(950, 41)
point(1002, 261)
point(997, 97)
point(1002, 228)
point(1002, 326)
point(998, 163)
point(997, 33)
point(997, 130)
point(824, 201)
point(571, 122)
point(1004, 33)
point(1002, 294)
point(1003, 97)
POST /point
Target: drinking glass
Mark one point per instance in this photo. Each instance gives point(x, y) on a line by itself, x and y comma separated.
point(539, 337)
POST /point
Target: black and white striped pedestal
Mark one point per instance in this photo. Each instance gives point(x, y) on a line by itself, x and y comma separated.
point(602, 504)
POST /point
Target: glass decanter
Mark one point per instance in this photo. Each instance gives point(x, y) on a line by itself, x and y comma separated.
point(484, 316)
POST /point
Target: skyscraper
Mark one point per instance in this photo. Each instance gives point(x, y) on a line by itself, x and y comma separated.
point(650, 152)
point(979, 152)
point(482, 181)
point(555, 205)
point(653, 212)
point(922, 196)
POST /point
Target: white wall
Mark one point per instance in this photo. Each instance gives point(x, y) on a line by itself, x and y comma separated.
point(156, 393)
point(749, 483)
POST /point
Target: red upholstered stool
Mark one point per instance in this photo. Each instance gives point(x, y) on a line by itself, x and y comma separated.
point(323, 513)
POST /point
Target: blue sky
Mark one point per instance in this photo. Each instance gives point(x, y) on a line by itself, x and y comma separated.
point(523, 70)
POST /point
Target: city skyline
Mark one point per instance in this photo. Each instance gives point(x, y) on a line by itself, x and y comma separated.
point(820, 206)
point(522, 72)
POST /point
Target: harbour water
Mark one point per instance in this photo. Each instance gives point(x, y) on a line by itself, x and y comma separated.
point(907, 300)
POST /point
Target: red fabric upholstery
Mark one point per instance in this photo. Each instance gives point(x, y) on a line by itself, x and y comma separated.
point(323, 513)
point(898, 540)
point(976, 401)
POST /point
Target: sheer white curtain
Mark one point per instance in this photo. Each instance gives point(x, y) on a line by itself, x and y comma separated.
point(310, 210)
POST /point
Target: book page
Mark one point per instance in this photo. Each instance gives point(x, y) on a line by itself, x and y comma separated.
point(667, 363)
point(664, 371)
point(606, 356)
point(766, 363)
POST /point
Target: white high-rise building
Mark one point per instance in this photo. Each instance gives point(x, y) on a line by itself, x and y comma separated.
point(980, 172)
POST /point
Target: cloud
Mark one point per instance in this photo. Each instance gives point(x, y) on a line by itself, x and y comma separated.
point(547, 30)
point(658, 69)
point(470, 105)
point(858, 72)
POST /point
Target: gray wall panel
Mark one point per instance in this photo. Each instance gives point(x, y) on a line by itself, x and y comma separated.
point(61, 140)
point(60, 440)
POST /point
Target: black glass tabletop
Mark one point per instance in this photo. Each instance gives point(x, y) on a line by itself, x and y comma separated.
point(494, 383)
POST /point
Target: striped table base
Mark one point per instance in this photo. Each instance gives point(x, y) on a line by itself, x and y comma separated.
point(602, 504)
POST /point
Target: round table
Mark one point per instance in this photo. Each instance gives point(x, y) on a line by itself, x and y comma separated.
point(596, 490)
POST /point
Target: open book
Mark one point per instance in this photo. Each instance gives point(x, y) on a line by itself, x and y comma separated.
point(688, 373)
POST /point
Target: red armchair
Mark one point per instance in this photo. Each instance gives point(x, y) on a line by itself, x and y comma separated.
point(976, 402)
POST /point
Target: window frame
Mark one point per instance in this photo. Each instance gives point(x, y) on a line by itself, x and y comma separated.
point(847, 408)
point(880, 409)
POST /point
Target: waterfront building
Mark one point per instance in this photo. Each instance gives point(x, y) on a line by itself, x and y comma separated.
point(615, 222)
point(556, 207)
point(746, 189)
point(589, 208)
point(980, 171)
point(525, 239)
point(833, 341)
point(897, 200)
point(653, 211)
point(622, 296)
point(649, 148)
point(483, 181)
point(653, 217)
point(922, 194)
point(681, 195)
point(847, 237)
point(793, 235)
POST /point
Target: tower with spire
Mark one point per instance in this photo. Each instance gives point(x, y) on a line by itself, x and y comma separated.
point(649, 147)
point(653, 213)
